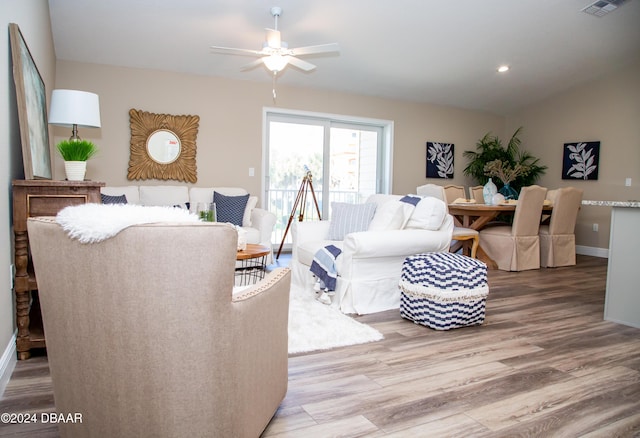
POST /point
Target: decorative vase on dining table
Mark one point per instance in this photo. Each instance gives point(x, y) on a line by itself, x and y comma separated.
point(508, 192)
point(488, 191)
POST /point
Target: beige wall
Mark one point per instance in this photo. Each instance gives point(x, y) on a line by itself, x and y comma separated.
point(32, 17)
point(606, 110)
point(230, 135)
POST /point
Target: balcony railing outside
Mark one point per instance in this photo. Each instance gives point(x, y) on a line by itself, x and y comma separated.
point(281, 202)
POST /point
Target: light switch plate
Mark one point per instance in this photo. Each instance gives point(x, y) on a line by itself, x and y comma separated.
point(627, 182)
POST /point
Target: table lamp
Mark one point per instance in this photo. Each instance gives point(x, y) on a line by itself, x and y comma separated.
point(74, 108)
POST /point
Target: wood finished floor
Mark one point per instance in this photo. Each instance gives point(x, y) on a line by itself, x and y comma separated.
point(544, 363)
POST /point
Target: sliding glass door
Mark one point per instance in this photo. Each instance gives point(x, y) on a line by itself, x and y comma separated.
point(345, 161)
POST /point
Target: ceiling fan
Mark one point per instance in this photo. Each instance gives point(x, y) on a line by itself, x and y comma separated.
point(276, 54)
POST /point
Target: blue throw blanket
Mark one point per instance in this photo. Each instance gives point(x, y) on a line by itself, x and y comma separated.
point(324, 267)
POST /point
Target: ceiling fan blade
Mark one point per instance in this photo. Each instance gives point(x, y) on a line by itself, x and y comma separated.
point(322, 48)
point(302, 65)
point(234, 51)
point(273, 39)
point(252, 64)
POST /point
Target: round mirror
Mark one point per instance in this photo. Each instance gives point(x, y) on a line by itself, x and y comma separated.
point(163, 146)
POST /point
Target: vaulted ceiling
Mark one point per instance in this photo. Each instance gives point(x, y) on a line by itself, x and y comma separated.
point(443, 52)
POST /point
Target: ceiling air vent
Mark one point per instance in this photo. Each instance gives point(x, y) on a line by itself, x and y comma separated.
point(602, 7)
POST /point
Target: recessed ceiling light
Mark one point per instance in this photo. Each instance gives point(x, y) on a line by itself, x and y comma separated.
point(503, 68)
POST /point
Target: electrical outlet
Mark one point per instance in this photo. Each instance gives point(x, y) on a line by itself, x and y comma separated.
point(252, 171)
point(627, 182)
point(595, 227)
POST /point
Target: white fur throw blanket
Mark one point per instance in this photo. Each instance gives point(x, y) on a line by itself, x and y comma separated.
point(91, 223)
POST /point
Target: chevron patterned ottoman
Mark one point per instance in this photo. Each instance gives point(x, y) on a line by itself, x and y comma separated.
point(443, 290)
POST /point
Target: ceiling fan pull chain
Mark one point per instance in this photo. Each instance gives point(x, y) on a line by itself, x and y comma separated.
point(275, 73)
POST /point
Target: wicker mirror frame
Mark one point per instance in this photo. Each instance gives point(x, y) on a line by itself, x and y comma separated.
point(143, 166)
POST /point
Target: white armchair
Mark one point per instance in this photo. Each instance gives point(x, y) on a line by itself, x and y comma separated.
point(370, 264)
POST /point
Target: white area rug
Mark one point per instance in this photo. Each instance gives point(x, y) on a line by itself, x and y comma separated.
point(316, 326)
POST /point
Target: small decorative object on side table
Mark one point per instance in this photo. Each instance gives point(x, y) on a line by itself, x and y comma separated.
point(251, 264)
point(33, 198)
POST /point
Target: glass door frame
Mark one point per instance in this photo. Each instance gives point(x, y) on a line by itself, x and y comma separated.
point(385, 179)
point(385, 149)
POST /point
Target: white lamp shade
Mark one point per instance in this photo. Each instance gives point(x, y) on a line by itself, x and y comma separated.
point(72, 107)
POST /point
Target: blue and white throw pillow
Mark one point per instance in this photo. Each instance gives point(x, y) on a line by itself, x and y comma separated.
point(411, 199)
point(230, 208)
point(111, 199)
point(349, 218)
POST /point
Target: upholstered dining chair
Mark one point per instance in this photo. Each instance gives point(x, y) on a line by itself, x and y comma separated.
point(453, 192)
point(146, 338)
point(517, 247)
point(460, 234)
point(557, 240)
point(476, 193)
point(434, 190)
point(550, 197)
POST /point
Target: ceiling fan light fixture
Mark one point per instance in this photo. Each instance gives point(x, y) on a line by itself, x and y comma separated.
point(275, 62)
point(276, 54)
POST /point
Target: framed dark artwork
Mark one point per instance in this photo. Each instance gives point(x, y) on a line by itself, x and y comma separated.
point(580, 160)
point(439, 160)
point(32, 109)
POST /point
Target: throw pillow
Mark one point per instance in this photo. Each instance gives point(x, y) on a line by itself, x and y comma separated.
point(110, 199)
point(230, 208)
point(411, 199)
point(251, 204)
point(428, 214)
point(392, 215)
point(349, 218)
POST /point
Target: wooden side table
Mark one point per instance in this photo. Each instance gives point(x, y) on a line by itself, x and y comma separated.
point(33, 198)
point(252, 264)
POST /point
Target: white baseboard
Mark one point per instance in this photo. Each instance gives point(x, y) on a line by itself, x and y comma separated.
point(592, 251)
point(7, 363)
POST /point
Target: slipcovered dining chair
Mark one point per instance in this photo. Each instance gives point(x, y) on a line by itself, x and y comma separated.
point(460, 234)
point(146, 338)
point(477, 194)
point(517, 247)
point(453, 192)
point(557, 240)
point(550, 198)
point(434, 190)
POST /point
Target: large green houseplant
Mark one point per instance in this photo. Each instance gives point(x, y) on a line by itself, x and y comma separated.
point(489, 149)
point(75, 154)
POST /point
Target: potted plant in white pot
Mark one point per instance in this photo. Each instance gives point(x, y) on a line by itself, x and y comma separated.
point(75, 154)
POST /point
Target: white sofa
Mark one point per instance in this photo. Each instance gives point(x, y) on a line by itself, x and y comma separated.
point(370, 264)
point(257, 222)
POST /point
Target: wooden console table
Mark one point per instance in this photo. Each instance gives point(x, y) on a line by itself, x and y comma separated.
point(38, 198)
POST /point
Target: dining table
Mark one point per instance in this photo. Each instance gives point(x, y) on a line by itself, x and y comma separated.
point(477, 216)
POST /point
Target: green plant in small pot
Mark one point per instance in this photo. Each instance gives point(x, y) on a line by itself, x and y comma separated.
point(75, 154)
